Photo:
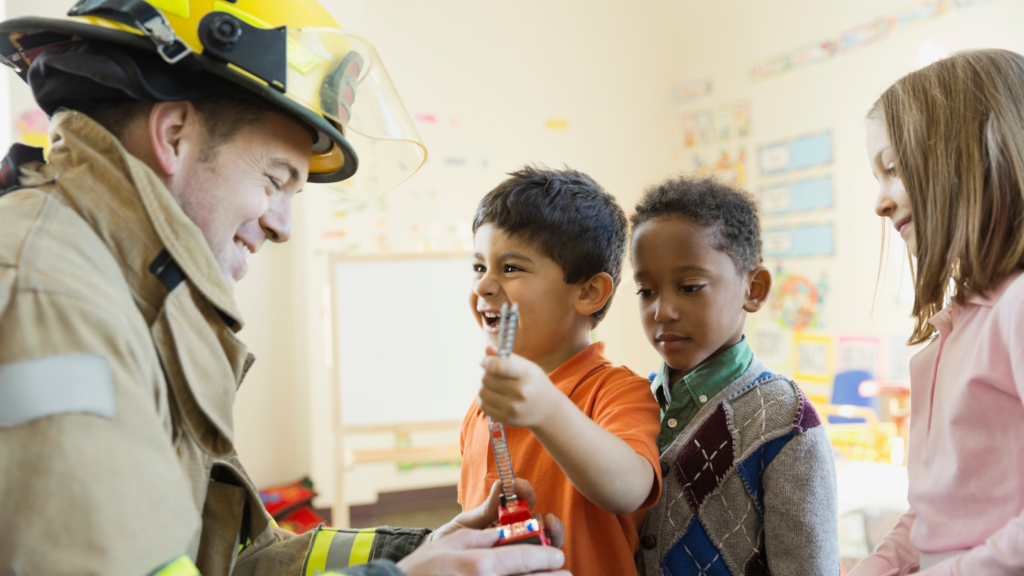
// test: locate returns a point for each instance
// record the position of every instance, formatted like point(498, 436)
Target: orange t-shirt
point(597, 541)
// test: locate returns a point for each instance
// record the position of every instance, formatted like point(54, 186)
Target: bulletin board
point(779, 110)
point(406, 347)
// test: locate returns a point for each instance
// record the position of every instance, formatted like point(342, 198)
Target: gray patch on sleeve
point(65, 384)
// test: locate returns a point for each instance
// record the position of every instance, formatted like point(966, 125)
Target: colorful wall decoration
point(917, 13)
point(813, 358)
point(724, 123)
point(728, 166)
point(771, 343)
point(864, 34)
point(796, 302)
point(33, 128)
point(898, 355)
point(692, 89)
point(869, 32)
point(556, 124)
point(860, 353)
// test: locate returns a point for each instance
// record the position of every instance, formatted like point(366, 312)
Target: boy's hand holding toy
point(517, 392)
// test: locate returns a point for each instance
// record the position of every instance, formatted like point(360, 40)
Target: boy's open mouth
point(491, 320)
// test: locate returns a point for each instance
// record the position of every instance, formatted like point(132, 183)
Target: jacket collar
point(131, 210)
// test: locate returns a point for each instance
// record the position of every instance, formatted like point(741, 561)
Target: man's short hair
point(730, 211)
point(222, 117)
point(567, 216)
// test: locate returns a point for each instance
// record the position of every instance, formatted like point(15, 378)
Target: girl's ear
point(594, 293)
point(759, 286)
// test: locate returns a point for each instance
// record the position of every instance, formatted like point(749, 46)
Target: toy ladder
point(499, 445)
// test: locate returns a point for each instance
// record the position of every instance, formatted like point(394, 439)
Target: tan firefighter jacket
point(119, 366)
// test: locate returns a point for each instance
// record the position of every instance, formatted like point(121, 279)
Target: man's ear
point(759, 287)
point(174, 128)
point(594, 293)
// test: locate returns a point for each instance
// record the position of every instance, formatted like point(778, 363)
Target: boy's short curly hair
point(730, 211)
point(567, 216)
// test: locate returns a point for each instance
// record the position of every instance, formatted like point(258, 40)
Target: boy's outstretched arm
point(602, 466)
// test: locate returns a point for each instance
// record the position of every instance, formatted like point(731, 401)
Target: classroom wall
point(623, 85)
point(809, 67)
point(493, 87)
point(614, 89)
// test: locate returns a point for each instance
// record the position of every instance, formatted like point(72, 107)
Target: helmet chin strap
point(141, 15)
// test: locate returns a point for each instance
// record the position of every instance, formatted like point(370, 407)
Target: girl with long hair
point(946, 144)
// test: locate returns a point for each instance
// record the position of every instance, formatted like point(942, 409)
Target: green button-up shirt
point(681, 401)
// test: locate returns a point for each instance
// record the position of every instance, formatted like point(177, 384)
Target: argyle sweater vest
point(749, 488)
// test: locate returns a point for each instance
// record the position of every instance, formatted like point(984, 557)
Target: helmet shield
point(340, 75)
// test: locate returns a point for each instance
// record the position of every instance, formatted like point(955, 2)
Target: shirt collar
point(567, 376)
point(989, 299)
point(943, 319)
point(709, 378)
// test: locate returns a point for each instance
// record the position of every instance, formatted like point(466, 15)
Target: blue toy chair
point(846, 390)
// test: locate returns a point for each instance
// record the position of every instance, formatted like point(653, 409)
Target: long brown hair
point(957, 131)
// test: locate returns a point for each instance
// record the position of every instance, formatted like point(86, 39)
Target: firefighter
point(180, 131)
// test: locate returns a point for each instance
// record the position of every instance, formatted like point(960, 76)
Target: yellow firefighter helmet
point(289, 53)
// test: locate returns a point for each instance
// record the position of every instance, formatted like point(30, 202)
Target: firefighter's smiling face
point(237, 191)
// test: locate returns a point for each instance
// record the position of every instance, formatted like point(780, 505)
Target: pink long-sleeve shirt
point(966, 459)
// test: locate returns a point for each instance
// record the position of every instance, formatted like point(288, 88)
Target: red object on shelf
point(291, 505)
point(300, 519)
point(871, 388)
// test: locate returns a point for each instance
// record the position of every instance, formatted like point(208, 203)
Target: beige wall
point(502, 70)
point(609, 68)
point(724, 39)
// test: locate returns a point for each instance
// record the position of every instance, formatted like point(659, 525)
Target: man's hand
point(487, 513)
point(517, 392)
point(470, 553)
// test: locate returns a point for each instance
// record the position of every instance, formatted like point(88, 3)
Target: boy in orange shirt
point(581, 431)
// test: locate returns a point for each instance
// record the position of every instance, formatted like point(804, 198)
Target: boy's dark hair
point(567, 216)
point(730, 211)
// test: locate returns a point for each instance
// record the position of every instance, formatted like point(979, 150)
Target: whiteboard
point(406, 344)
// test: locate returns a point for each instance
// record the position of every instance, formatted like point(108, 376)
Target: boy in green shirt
point(749, 481)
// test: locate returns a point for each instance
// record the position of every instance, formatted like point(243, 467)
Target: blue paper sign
point(805, 240)
point(798, 153)
point(799, 196)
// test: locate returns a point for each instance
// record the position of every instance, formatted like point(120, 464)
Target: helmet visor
point(340, 75)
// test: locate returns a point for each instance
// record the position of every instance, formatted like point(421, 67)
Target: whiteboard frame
point(340, 508)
